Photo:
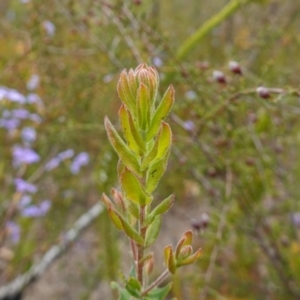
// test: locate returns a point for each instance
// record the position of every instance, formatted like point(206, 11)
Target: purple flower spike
point(52, 164)
point(24, 201)
point(24, 156)
point(34, 98)
point(33, 82)
point(28, 134)
point(65, 154)
point(9, 124)
point(11, 95)
point(36, 211)
point(49, 27)
point(80, 160)
point(189, 125)
point(13, 231)
point(20, 113)
point(24, 187)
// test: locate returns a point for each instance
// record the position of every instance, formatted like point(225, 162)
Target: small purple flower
point(13, 231)
point(28, 134)
point(11, 95)
point(20, 113)
point(189, 125)
point(23, 155)
point(33, 82)
point(24, 201)
point(33, 98)
point(24, 187)
point(52, 164)
point(36, 211)
point(295, 217)
point(35, 118)
point(9, 124)
point(157, 61)
point(49, 27)
point(65, 154)
point(80, 160)
point(191, 95)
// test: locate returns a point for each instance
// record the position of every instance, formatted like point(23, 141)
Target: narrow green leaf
point(159, 293)
point(155, 172)
point(143, 106)
point(106, 200)
point(161, 208)
point(132, 136)
point(152, 231)
point(124, 153)
point(120, 169)
point(161, 112)
point(115, 218)
point(133, 188)
point(133, 209)
point(161, 145)
point(123, 294)
point(130, 231)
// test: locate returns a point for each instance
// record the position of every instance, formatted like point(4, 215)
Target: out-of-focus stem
point(140, 254)
point(156, 282)
point(209, 25)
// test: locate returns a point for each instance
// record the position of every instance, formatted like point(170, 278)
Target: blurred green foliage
point(239, 150)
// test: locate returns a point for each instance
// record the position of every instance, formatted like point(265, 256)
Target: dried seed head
point(219, 77)
point(263, 92)
point(235, 67)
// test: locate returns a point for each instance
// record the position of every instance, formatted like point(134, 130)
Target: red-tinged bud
point(235, 68)
point(185, 252)
point(119, 201)
point(204, 220)
point(149, 263)
point(263, 92)
point(196, 224)
point(219, 77)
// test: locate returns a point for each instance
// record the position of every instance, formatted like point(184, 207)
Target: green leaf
point(130, 231)
point(159, 293)
point(124, 153)
point(155, 172)
point(161, 208)
point(143, 106)
point(161, 112)
point(133, 209)
point(115, 218)
point(152, 231)
point(132, 136)
point(123, 294)
point(133, 286)
point(120, 169)
point(133, 188)
point(190, 259)
point(161, 146)
point(169, 259)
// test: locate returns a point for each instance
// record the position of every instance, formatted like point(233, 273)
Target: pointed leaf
point(115, 218)
point(132, 136)
point(161, 208)
point(189, 237)
point(159, 293)
point(121, 148)
point(155, 172)
point(120, 168)
point(143, 106)
point(106, 200)
point(133, 287)
point(133, 188)
point(130, 231)
point(123, 294)
point(153, 231)
point(161, 146)
point(161, 112)
point(133, 209)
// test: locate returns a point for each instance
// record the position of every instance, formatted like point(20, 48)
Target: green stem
point(191, 42)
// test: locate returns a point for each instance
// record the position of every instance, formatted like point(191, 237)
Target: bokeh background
point(234, 165)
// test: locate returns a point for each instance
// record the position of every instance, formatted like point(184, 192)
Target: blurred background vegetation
point(234, 165)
